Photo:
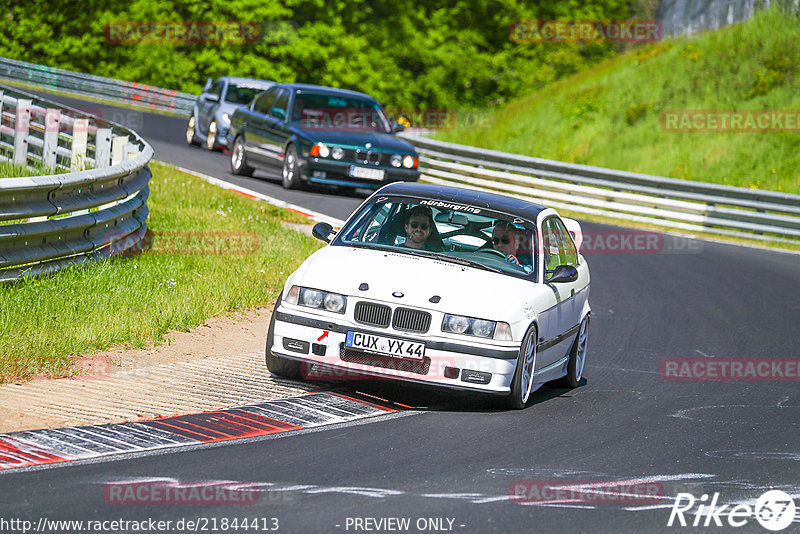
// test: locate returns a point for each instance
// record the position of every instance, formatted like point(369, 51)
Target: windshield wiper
point(464, 261)
point(426, 254)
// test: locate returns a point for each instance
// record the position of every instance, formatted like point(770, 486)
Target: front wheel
point(211, 140)
point(522, 385)
point(191, 134)
point(239, 164)
point(577, 355)
point(291, 174)
point(277, 365)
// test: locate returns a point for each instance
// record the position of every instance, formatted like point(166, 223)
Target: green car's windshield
point(335, 112)
point(466, 235)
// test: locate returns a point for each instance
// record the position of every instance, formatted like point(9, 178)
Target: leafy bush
point(407, 53)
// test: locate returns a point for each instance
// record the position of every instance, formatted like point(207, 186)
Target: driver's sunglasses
point(503, 240)
point(415, 225)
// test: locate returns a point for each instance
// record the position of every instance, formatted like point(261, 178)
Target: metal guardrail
point(97, 86)
point(50, 221)
point(659, 201)
point(664, 202)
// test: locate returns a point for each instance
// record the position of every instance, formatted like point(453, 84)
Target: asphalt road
point(456, 457)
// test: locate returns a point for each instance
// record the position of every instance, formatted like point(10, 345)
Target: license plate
point(387, 346)
point(366, 172)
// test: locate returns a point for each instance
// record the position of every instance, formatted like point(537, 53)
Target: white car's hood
point(462, 290)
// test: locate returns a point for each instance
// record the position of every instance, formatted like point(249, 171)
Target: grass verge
point(611, 115)
point(46, 322)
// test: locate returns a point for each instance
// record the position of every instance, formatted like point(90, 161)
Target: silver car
point(211, 116)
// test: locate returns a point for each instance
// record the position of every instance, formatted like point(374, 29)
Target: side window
point(369, 228)
point(558, 246)
point(216, 89)
point(278, 108)
point(264, 101)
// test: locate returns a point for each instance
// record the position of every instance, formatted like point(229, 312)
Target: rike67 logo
point(774, 510)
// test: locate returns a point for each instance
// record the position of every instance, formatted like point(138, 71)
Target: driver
point(419, 228)
point(504, 239)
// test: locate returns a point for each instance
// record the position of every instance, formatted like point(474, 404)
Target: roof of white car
point(469, 197)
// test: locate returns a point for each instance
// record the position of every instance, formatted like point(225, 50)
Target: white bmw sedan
point(440, 286)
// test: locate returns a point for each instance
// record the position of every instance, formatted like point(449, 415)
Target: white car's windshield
point(462, 234)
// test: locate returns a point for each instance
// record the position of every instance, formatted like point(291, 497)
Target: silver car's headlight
point(314, 298)
point(226, 118)
point(470, 326)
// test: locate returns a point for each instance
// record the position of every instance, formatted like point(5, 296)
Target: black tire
point(211, 138)
point(239, 164)
point(521, 385)
point(291, 169)
point(277, 365)
point(191, 131)
point(577, 356)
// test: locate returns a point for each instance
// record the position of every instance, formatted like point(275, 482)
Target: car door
point(561, 319)
point(257, 126)
point(277, 134)
point(209, 100)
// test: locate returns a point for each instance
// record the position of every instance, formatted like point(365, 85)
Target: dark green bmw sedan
point(320, 135)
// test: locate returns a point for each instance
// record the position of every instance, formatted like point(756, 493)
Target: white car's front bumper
point(319, 341)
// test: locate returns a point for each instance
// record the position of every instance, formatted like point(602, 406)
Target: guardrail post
point(131, 151)
point(80, 140)
point(118, 149)
point(52, 120)
point(102, 151)
point(21, 127)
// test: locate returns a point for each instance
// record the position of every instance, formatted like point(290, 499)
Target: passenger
point(504, 239)
point(420, 229)
point(514, 243)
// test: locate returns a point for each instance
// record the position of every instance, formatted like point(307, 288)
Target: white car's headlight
point(482, 328)
point(458, 324)
point(226, 118)
point(314, 298)
point(311, 298)
point(333, 302)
